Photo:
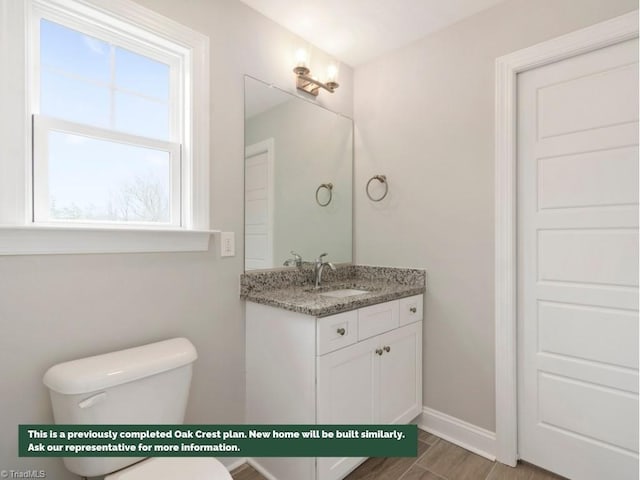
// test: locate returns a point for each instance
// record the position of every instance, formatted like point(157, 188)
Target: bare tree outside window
point(142, 199)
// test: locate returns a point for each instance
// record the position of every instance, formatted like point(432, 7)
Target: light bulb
point(302, 57)
point(332, 73)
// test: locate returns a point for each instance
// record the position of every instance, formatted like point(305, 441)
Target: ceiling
point(357, 31)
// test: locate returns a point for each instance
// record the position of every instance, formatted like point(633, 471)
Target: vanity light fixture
point(309, 84)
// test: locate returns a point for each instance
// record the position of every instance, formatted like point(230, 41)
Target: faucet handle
point(296, 260)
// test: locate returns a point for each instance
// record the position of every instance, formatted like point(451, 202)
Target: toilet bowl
point(172, 468)
point(141, 385)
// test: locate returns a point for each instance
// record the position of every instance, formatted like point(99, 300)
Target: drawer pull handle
point(379, 351)
point(387, 348)
point(413, 309)
point(341, 331)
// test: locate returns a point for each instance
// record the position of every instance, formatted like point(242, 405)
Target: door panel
point(603, 335)
point(258, 204)
point(562, 107)
point(603, 178)
point(400, 379)
point(606, 256)
point(578, 265)
point(577, 408)
point(347, 381)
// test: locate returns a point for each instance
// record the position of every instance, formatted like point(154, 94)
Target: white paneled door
point(578, 265)
point(259, 205)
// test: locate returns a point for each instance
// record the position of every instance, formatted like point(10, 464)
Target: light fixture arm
point(310, 85)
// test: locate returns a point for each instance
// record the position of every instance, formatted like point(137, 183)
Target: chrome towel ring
point(329, 187)
point(382, 179)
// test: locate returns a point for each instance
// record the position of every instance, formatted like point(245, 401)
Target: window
point(116, 119)
point(107, 129)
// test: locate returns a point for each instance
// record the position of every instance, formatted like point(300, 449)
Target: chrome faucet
point(296, 260)
point(319, 268)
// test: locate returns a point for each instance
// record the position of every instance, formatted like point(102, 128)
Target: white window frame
point(43, 125)
point(118, 21)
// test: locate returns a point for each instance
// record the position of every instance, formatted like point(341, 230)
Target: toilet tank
point(141, 385)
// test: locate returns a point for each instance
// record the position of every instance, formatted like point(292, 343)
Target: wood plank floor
point(437, 460)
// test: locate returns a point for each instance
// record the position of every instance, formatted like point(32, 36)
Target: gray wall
point(312, 146)
point(424, 117)
point(61, 307)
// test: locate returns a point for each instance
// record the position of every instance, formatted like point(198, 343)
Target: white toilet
point(142, 385)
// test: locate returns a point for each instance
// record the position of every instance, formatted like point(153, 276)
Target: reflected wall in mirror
point(298, 157)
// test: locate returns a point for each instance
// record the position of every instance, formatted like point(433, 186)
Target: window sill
point(55, 240)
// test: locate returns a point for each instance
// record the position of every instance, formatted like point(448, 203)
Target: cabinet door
point(400, 375)
point(346, 386)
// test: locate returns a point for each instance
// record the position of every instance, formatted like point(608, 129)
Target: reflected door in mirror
point(258, 200)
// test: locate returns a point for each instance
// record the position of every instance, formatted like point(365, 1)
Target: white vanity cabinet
point(362, 366)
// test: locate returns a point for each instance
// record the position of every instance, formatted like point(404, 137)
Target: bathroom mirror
point(298, 179)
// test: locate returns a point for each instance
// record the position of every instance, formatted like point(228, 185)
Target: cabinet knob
point(413, 309)
point(379, 351)
point(341, 331)
point(387, 348)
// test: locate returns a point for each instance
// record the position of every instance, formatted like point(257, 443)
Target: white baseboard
point(237, 462)
point(464, 434)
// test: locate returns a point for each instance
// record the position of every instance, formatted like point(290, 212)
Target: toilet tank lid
point(103, 371)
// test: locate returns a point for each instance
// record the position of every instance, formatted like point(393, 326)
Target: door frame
point(609, 32)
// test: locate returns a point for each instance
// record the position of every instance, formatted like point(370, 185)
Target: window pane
point(140, 116)
point(98, 180)
point(73, 52)
point(74, 100)
point(142, 75)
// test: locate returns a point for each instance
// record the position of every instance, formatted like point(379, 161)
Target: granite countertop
point(292, 290)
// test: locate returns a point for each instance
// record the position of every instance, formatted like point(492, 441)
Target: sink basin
point(342, 293)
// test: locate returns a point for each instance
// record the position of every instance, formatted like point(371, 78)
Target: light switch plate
point(227, 244)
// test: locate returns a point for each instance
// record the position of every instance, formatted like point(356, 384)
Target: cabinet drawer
point(410, 309)
point(377, 319)
point(336, 331)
